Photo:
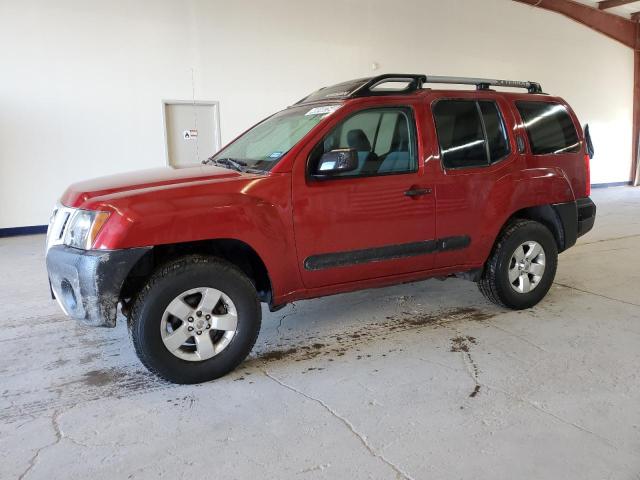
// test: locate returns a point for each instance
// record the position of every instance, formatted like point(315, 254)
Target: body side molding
point(388, 252)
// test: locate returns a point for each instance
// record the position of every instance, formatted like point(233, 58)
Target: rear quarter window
point(549, 128)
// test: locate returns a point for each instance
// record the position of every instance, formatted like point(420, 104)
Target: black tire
point(170, 281)
point(494, 283)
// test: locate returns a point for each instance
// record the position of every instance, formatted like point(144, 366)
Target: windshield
point(262, 147)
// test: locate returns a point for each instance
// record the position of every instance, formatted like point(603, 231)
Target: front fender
point(257, 213)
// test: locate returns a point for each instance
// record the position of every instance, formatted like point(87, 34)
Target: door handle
point(417, 192)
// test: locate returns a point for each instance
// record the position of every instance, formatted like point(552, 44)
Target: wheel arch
point(547, 216)
point(237, 252)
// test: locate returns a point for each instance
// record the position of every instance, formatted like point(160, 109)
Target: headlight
point(52, 219)
point(84, 227)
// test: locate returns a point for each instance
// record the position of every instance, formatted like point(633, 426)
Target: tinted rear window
point(461, 126)
point(549, 128)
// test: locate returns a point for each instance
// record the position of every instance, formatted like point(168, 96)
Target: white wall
point(82, 80)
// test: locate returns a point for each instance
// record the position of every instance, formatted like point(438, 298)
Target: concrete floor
point(422, 381)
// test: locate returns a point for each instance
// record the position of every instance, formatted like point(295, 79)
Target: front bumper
point(87, 283)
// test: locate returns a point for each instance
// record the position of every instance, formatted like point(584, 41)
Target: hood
point(159, 178)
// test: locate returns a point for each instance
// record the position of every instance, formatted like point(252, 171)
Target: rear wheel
point(521, 267)
point(195, 320)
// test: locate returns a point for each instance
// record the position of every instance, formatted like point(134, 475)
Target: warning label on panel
point(190, 134)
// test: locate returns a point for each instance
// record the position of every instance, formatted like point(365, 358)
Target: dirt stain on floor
point(99, 378)
point(109, 382)
point(475, 392)
point(339, 344)
point(463, 344)
point(122, 382)
point(277, 354)
point(88, 386)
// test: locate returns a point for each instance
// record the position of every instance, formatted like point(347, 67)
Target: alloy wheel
point(526, 267)
point(199, 324)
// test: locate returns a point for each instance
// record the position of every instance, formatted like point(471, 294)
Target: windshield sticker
point(324, 110)
point(276, 154)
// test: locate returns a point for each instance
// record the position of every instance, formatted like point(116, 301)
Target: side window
point(549, 128)
point(384, 139)
point(367, 122)
point(460, 134)
point(471, 133)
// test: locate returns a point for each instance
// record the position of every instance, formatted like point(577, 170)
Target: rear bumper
point(577, 218)
point(87, 284)
point(586, 215)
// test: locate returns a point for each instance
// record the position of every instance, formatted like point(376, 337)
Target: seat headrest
point(357, 139)
point(401, 137)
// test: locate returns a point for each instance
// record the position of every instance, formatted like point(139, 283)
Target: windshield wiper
point(237, 165)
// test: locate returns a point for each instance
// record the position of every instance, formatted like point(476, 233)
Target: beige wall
point(82, 81)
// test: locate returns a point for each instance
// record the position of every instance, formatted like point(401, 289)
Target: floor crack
point(474, 371)
point(515, 335)
point(608, 240)
point(470, 366)
point(596, 294)
point(362, 438)
point(293, 311)
point(59, 436)
point(462, 344)
point(553, 415)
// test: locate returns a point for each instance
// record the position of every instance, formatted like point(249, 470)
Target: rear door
point(474, 150)
point(376, 221)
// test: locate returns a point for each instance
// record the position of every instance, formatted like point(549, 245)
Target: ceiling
point(623, 10)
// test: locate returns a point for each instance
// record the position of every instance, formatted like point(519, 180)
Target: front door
point(375, 221)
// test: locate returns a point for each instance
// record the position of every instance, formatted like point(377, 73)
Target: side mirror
point(337, 161)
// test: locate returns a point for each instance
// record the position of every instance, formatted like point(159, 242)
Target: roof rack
point(413, 82)
point(369, 87)
point(485, 83)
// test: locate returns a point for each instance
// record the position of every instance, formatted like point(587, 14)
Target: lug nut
point(208, 317)
point(191, 319)
point(199, 332)
point(199, 313)
point(208, 326)
point(190, 329)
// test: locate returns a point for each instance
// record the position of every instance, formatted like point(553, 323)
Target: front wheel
point(521, 267)
point(195, 320)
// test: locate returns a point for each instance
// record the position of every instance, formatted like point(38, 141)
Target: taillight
point(587, 174)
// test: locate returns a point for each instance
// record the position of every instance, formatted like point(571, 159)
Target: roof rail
point(365, 87)
point(373, 86)
point(485, 83)
point(414, 82)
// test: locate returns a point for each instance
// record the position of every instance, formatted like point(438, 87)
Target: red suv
point(368, 183)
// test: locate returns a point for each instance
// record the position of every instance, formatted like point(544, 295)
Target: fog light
point(68, 295)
